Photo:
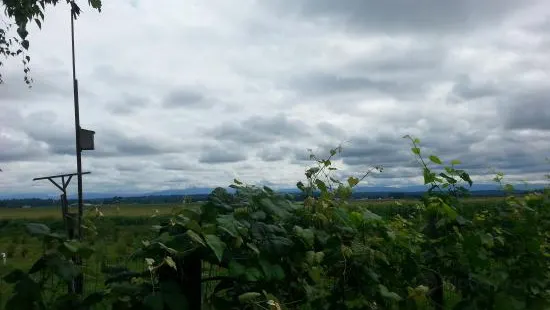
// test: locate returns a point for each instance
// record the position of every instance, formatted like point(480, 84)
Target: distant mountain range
point(206, 190)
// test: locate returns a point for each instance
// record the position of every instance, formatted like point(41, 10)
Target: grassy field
point(148, 210)
point(131, 210)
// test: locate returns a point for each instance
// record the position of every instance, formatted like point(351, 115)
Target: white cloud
point(194, 93)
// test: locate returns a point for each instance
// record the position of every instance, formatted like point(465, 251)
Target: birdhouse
point(86, 139)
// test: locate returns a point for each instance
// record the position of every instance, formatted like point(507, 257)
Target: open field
point(147, 210)
point(131, 210)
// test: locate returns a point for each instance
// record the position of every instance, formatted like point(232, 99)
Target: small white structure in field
point(4, 257)
point(26, 207)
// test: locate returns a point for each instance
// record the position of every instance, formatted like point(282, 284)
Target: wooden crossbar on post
point(70, 220)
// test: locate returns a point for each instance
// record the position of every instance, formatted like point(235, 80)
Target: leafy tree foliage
point(20, 13)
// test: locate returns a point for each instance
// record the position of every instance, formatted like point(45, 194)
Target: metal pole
point(77, 131)
point(79, 281)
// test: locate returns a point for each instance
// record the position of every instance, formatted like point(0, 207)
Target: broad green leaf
point(71, 246)
point(175, 300)
point(466, 177)
point(193, 225)
point(387, 294)
point(321, 185)
point(39, 265)
point(270, 208)
point(96, 4)
point(508, 188)
point(315, 274)
point(306, 235)
point(253, 247)
point(429, 176)
point(249, 297)
point(487, 239)
point(167, 249)
point(277, 272)
point(170, 262)
point(195, 237)
point(65, 269)
point(370, 216)
point(92, 299)
point(237, 182)
point(217, 246)
point(253, 274)
point(435, 160)
point(271, 271)
point(235, 269)
point(415, 150)
point(154, 301)
point(38, 229)
point(352, 181)
point(15, 276)
point(455, 162)
point(85, 252)
point(226, 222)
point(449, 179)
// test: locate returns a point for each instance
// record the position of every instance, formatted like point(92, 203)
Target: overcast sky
point(196, 93)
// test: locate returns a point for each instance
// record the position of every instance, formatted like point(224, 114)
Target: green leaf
point(321, 185)
point(387, 294)
point(415, 150)
point(92, 299)
point(39, 265)
point(253, 274)
point(216, 245)
point(508, 188)
point(154, 302)
point(63, 268)
point(194, 226)
point(249, 297)
point(274, 272)
point(170, 262)
point(449, 179)
point(236, 269)
point(272, 209)
point(85, 252)
point(38, 229)
point(466, 177)
point(306, 235)
point(226, 222)
point(167, 249)
point(370, 216)
point(253, 247)
point(175, 300)
point(195, 237)
point(435, 160)
point(71, 246)
point(315, 274)
point(96, 4)
point(455, 162)
point(15, 276)
point(237, 182)
point(429, 176)
point(352, 181)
